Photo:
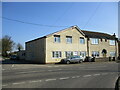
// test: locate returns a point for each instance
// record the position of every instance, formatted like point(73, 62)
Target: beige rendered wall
point(35, 51)
point(63, 46)
point(99, 47)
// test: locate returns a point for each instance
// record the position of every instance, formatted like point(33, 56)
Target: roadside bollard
point(109, 58)
point(113, 58)
point(93, 59)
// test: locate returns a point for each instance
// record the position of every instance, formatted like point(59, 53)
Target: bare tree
point(19, 47)
point(7, 45)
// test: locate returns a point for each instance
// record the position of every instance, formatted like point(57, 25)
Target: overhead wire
point(20, 21)
point(92, 15)
point(63, 14)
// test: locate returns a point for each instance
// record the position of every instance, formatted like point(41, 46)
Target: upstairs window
point(82, 40)
point(94, 40)
point(68, 39)
point(112, 42)
point(57, 38)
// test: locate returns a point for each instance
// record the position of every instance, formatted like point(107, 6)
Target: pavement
point(83, 75)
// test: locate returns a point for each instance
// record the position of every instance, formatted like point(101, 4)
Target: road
point(84, 75)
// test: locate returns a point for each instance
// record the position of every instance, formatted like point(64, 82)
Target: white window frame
point(56, 54)
point(112, 42)
point(94, 41)
point(95, 53)
point(75, 53)
point(68, 53)
point(112, 53)
point(83, 53)
point(57, 38)
point(69, 39)
point(82, 40)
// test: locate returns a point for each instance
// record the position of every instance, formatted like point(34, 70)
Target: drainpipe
point(88, 46)
point(115, 46)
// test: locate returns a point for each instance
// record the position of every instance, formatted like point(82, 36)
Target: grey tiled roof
point(91, 34)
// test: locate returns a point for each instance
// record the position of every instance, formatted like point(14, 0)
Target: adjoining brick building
point(71, 41)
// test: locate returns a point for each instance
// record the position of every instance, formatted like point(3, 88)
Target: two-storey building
point(71, 41)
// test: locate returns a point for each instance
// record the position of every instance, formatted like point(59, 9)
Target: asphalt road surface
point(84, 75)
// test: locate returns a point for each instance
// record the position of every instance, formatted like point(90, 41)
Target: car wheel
point(67, 62)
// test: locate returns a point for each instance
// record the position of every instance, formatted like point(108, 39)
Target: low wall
point(106, 59)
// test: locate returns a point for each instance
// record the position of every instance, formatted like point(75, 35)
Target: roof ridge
point(96, 32)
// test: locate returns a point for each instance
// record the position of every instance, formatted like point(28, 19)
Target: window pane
point(68, 53)
point(56, 54)
point(82, 40)
point(112, 42)
point(57, 38)
point(69, 39)
point(83, 53)
point(75, 53)
point(95, 53)
point(112, 54)
point(94, 40)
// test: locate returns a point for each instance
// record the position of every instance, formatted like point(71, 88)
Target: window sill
point(56, 57)
point(82, 43)
point(68, 43)
point(112, 45)
point(94, 44)
point(56, 42)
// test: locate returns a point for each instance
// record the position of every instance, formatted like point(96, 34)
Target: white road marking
point(22, 72)
point(13, 65)
point(35, 81)
point(4, 85)
point(73, 77)
point(87, 75)
point(77, 76)
point(64, 78)
point(96, 74)
point(50, 79)
point(18, 83)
